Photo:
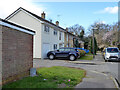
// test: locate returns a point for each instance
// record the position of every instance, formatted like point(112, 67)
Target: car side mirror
point(57, 50)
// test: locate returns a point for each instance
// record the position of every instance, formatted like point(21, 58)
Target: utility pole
point(93, 43)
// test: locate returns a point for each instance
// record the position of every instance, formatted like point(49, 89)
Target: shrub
point(81, 52)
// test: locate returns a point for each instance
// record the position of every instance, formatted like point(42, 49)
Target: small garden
point(51, 77)
point(85, 56)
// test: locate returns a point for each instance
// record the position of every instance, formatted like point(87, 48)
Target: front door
point(46, 49)
point(66, 52)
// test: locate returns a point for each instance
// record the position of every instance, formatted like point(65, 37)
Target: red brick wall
point(17, 54)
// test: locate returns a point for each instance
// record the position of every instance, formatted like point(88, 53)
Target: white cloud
point(110, 10)
point(101, 22)
point(9, 6)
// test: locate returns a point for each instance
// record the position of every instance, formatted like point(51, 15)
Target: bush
point(81, 52)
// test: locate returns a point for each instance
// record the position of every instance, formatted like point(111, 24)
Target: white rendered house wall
point(24, 19)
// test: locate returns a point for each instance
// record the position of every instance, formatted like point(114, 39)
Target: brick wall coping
point(16, 27)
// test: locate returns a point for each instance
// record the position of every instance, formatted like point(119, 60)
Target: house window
point(60, 35)
point(55, 46)
point(55, 32)
point(46, 29)
point(60, 45)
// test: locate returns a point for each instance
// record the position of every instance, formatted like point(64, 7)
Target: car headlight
point(107, 55)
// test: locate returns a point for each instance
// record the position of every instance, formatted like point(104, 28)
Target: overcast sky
point(68, 12)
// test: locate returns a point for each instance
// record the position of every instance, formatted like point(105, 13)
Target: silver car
point(112, 53)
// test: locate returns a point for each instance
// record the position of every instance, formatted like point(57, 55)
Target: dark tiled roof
point(38, 17)
point(16, 25)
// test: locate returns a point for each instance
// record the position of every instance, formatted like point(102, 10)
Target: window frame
point(55, 46)
point(55, 32)
point(60, 35)
point(46, 29)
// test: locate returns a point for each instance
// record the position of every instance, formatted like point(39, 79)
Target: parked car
point(66, 52)
point(112, 53)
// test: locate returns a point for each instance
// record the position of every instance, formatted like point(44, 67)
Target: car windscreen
point(112, 50)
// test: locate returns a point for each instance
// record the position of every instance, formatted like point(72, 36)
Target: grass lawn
point(51, 77)
point(89, 57)
point(89, 54)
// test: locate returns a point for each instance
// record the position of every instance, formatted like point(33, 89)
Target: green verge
point(89, 54)
point(51, 77)
point(89, 57)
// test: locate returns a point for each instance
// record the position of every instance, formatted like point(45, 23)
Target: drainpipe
point(42, 27)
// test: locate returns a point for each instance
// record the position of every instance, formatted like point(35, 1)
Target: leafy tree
point(81, 36)
point(86, 41)
point(76, 44)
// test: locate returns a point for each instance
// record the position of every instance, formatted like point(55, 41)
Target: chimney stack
point(57, 23)
point(66, 29)
point(43, 15)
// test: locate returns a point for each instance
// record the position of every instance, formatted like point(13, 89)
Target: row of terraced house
point(48, 36)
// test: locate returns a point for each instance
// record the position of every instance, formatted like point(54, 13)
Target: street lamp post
point(93, 43)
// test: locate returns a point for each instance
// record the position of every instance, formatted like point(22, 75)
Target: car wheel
point(72, 57)
point(51, 56)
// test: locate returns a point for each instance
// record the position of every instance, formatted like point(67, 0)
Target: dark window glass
point(60, 34)
point(55, 32)
point(72, 49)
point(55, 46)
point(62, 49)
point(112, 50)
point(67, 49)
point(46, 29)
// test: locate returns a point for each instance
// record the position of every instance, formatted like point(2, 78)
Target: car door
point(66, 52)
point(59, 53)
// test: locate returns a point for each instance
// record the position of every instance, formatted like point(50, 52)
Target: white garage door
point(46, 49)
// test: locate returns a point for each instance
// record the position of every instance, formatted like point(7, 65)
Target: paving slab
point(96, 80)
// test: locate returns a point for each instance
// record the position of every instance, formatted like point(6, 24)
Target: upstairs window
point(46, 29)
point(55, 32)
point(60, 35)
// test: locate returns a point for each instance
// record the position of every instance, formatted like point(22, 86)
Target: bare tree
point(105, 34)
point(76, 29)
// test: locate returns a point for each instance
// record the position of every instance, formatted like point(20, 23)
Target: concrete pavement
point(97, 76)
point(96, 80)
